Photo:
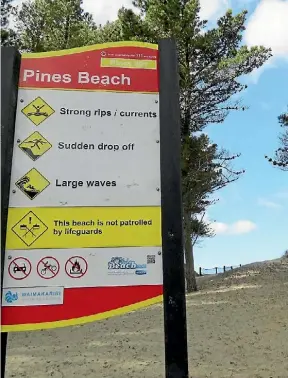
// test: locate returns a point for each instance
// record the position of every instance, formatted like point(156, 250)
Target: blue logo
point(140, 272)
point(11, 297)
point(124, 263)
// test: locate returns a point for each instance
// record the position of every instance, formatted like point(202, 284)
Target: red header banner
point(119, 67)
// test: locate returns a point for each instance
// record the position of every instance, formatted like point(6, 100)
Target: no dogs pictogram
point(19, 268)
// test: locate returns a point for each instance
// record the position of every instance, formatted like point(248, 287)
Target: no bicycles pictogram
point(48, 267)
point(19, 268)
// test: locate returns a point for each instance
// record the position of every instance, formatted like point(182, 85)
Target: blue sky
point(260, 197)
point(251, 215)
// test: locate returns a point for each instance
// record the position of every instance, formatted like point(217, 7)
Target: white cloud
point(211, 9)
point(105, 10)
point(102, 10)
point(242, 227)
point(268, 26)
point(269, 204)
point(219, 227)
point(237, 228)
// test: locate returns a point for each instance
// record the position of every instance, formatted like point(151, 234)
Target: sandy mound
point(237, 327)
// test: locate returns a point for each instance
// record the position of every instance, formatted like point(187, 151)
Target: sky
point(251, 216)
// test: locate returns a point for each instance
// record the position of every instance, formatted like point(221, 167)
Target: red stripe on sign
point(82, 71)
point(79, 302)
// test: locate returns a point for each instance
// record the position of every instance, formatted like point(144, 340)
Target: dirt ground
point(237, 327)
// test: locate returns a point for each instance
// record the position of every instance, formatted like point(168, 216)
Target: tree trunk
point(66, 33)
point(189, 271)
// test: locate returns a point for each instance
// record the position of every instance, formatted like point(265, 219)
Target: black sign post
point(10, 68)
point(176, 355)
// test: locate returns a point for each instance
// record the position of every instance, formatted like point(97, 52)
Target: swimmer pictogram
point(38, 111)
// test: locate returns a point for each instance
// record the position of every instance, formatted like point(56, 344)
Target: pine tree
point(280, 159)
point(210, 63)
point(45, 25)
point(8, 36)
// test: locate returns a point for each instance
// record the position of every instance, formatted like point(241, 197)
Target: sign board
point(84, 237)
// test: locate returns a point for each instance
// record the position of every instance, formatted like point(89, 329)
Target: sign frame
point(175, 327)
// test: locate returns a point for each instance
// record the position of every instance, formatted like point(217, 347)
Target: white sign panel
point(97, 149)
point(32, 296)
point(85, 267)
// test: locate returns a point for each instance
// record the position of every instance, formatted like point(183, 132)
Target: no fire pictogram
point(19, 268)
point(48, 267)
point(76, 267)
point(35, 146)
point(29, 228)
point(32, 183)
point(38, 111)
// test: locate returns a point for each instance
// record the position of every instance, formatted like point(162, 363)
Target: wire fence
point(217, 269)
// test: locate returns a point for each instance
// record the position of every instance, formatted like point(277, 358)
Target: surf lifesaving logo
point(124, 265)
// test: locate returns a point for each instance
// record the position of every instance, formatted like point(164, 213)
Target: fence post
point(216, 270)
point(200, 271)
point(224, 268)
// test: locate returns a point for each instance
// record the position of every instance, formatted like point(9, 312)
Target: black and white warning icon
point(29, 228)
